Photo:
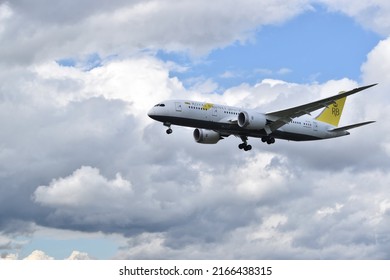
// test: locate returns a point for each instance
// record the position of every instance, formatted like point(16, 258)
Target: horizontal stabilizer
point(350, 126)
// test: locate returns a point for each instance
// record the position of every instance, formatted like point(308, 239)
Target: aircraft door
point(178, 106)
point(315, 126)
point(215, 112)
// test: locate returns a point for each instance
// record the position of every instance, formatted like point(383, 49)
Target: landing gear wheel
point(169, 130)
point(247, 148)
point(244, 145)
point(271, 141)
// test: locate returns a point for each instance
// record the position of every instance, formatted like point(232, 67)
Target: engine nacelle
point(251, 120)
point(205, 136)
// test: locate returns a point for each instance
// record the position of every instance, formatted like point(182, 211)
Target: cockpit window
point(159, 105)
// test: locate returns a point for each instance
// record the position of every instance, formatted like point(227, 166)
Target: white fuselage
point(223, 119)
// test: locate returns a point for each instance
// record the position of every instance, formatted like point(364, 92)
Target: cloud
point(86, 187)
point(76, 255)
point(79, 153)
point(284, 71)
point(371, 14)
point(4, 242)
point(103, 166)
point(6, 256)
point(55, 31)
point(273, 231)
point(268, 72)
point(38, 255)
point(377, 65)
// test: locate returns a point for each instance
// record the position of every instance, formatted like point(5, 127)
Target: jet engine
point(251, 120)
point(205, 136)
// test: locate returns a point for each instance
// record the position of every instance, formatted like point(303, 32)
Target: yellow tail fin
point(332, 113)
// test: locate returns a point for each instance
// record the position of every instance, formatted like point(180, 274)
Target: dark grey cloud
point(64, 12)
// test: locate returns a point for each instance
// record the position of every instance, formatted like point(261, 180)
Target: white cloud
point(269, 229)
point(38, 255)
point(269, 72)
point(255, 179)
point(120, 27)
point(323, 212)
point(205, 86)
point(228, 74)
point(76, 255)
point(86, 197)
point(284, 71)
point(86, 187)
point(371, 14)
point(5, 11)
point(7, 256)
point(139, 81)
point(384, 206)
point(376, 68)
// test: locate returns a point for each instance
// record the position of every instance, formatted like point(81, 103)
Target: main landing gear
point(244, 146)
point(169, 130)
point(268, 140)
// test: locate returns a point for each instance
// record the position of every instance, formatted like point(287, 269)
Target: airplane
point(213, 122)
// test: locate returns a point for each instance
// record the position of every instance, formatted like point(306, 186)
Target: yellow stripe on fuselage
point(207, 106)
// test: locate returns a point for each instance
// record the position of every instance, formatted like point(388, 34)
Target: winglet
point(365, 87)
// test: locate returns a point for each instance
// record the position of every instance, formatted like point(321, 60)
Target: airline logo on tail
point(332, 114)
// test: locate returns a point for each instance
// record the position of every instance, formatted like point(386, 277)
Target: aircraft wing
point(282, 117)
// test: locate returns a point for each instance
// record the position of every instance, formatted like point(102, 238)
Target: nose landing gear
point(169, 130)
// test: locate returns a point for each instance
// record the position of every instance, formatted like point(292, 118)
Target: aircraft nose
point(151, 113)
point(157, 112)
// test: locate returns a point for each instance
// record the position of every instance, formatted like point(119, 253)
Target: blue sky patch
point(314, 47)
point(86, 63)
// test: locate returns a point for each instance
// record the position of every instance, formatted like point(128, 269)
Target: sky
point(86, 174)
